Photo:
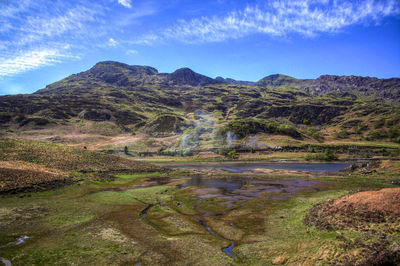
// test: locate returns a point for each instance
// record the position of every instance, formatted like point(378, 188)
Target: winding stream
point(5, 262)
point(232, 193)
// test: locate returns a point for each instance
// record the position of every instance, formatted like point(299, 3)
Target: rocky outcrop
point(305, 114)
point(366, 86)
point(118, 73)
point(163, 126)
point(96, 115)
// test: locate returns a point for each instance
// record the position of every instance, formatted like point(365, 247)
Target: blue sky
point(42, 41)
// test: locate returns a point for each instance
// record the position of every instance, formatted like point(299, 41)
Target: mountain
point(123, 75)
point(140, 99)
point(373, 88)
point(361, 86)
point(186, 76)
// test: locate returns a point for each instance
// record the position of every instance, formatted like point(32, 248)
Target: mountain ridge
point(140, 99)
point(120, 74)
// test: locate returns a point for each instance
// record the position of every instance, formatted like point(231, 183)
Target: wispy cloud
point(125, 3)
point(278, 18)
point(39, 33)
point(31, 59)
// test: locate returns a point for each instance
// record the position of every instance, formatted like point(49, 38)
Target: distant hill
point(139, 98)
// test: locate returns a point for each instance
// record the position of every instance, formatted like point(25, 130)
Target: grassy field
point(117, 211)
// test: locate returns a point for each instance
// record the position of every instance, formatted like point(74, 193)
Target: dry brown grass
point(67, 158)
point(20, 165)
point(17, 176)
point(386, 201)
point(358, 211)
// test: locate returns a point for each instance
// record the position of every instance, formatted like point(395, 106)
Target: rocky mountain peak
point(117, 67)
point(186, 76)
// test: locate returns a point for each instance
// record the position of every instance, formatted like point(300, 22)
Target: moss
point(152, 195)
point(138, 176)
point(112, 197)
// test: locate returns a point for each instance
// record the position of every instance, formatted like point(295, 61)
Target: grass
point(152, 195)
point(65, 157)
point(27, 165)
point(112, 197)
point(137, 176)
point(85, 224)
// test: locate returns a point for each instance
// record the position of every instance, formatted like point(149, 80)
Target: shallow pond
point(233, 189)
point(253, 167)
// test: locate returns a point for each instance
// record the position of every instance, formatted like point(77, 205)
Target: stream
point(18, 241)
point(233, 193)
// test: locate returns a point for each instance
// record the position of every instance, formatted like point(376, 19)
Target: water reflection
point(234, 189)
point(251, 167)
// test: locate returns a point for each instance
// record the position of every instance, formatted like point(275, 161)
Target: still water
point(250, 167)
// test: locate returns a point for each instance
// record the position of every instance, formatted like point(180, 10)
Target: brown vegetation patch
point(18, 176)
point(68, 158)
point(357, 211)
point(375, 213)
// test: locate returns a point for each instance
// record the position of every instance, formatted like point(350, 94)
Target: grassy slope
point(31, 165)
point(66, 158)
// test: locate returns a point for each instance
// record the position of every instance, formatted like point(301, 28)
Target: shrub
point(379, 123)
point(392, 121)
point(185, 152)
point(359, 128)
point(377, 134)
point(168, 153)
point(327, 155)
point(314, 133)
point(393, 132)
point(228, 153)
point(341, 134)
point(231, 154)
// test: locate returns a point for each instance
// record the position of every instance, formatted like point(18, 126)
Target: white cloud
point(278, 18)
point(112, 42)
point(125, 3)
point(132, 52)
point(32, 59)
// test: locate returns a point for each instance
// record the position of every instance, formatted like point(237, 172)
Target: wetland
point(181, 217)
